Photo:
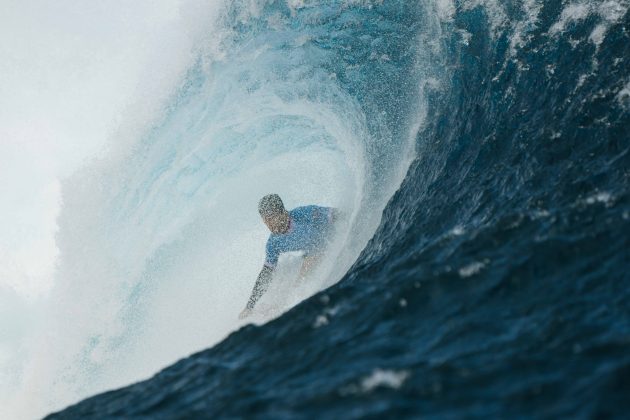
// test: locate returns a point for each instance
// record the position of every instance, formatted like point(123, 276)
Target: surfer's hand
point(245, 313)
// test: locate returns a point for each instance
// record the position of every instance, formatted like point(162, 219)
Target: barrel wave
point(480, 151)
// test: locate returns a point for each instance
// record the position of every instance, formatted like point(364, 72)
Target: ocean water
point(480, 152)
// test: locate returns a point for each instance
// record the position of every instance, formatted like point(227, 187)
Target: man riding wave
point(306, 229)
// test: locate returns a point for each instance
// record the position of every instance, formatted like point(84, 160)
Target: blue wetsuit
point(309, 228)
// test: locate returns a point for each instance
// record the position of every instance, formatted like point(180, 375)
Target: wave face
point(494, 284)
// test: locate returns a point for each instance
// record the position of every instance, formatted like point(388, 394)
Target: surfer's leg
point(309, 264)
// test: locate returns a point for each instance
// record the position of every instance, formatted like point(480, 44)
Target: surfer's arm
point(334, 214)
point(261, 286)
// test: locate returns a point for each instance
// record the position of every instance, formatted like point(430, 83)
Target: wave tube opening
point(161, 241)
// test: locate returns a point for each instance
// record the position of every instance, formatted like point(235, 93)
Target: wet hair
point(270, 205)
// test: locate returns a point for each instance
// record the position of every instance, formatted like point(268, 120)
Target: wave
point(160, 241)
point(480, 151)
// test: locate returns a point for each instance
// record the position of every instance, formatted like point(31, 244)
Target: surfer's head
point(275, 216)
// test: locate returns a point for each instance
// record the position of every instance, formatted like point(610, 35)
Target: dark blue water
point(497, 284)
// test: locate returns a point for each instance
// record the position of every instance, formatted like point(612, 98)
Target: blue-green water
point(496, 282)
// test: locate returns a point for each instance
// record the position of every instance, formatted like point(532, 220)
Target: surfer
point(304, 229)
